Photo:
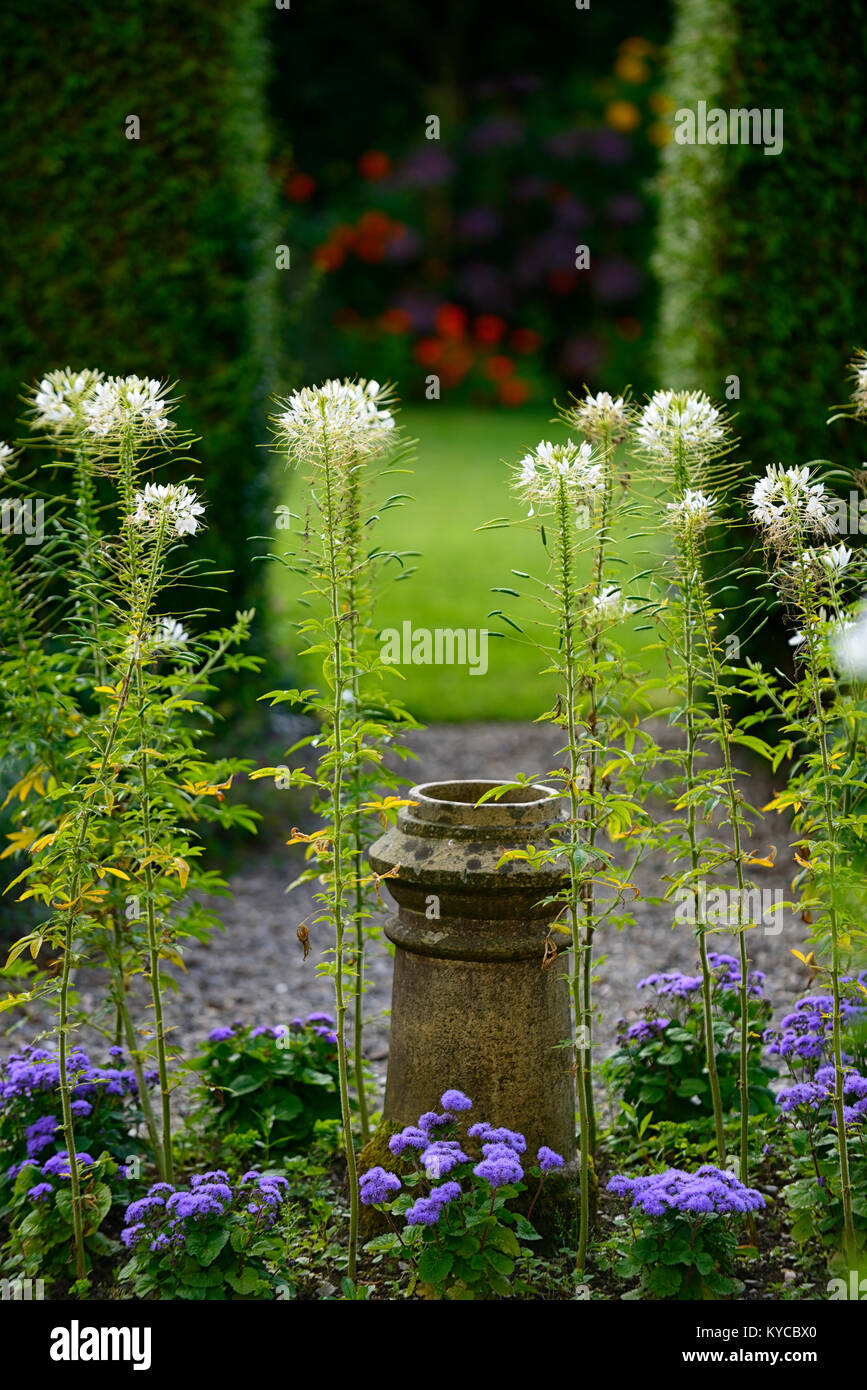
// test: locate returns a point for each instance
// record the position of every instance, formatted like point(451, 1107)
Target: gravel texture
point(254, 970)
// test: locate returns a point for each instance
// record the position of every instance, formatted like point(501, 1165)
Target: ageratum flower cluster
point(30, 1098)
point(708, 1190)
point(812, 1095)
point(500, 1164)
point(804, 1035)
point(321, 1023)
point(163, 1220)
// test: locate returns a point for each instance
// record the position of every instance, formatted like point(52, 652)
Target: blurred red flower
point(526, 340)
point(513, 392)
point(300, 187)
point(428, 351)
point(498, 368)
point(374, 164)
point(489, 328)
point(328, 256)
point(396, 321)
point(451, 321)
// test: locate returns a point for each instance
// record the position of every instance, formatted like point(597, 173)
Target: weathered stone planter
point(472, 1005)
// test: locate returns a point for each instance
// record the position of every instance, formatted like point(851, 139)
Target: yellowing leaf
point(20, 840)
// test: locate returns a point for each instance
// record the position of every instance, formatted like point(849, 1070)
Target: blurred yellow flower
point(622, 115)
point(660, 103)
point(659, 133)
point(637, 47)
point(630, 69)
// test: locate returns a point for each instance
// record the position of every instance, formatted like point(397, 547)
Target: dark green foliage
point(761, 257)
point(156, 255)
point(278, 1087)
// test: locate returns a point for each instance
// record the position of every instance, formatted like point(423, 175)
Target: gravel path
point(254, 970)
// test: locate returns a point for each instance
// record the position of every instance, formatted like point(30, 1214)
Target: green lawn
point(460, 481)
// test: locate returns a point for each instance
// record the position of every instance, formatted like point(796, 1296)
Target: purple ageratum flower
point(500, 1165)
point(445, 1193)
point(115, 1052)
point(221, 1034)
point(455, 1101)
point(378, 1185)
point(441, 1157)
point(40, 1134)
point(252, 1175)
point(140, 1210)
point(672, 982)
point(214, 1175)
point(59, 1166)
point(320, 1018)
point(409, 1138)
point(480, 1129)
point(646, 1029)
point(508, 1137)
point(41, 1192)
point(130, 1235)
point(159, 1187)
point(324, 1032)
point(727, 971)
point(424, 1212)
point(258, 1031)
point(709, 1189)
point(431, 1120)
point(548, 1159)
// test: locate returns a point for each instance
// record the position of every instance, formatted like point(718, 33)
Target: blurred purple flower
point(478, 224)
point(616, 279)
point(496, 133)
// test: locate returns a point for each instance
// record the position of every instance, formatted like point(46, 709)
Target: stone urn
point(480, 1000)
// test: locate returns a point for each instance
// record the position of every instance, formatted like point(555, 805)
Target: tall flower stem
point(153, 937)
point(827, 811)
point(688, 561)
point(592, 760)
point(724, 734)
point(579, 944)
point(338, 887)
point(353, 533)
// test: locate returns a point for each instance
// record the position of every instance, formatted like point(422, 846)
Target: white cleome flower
point(349, 419)
point(175, 503)
point(171, 633)
point(129, 402)
point(611, 604)
point(850, 646)
point(600, 416)
point(836, 559)
point(6, 452)
point(693, 512)
point(550, 466)
point(859, 373)
point(59, 399)
point(676, 421)
point(786, 503)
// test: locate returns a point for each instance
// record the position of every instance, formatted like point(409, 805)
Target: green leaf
point(205, 1245)
point(435, 1265)
point(247, 1282)
point(662, 1281)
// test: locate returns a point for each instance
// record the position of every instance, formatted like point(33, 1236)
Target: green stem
point(337, 817)
point(582, 1065)
point(688, 560)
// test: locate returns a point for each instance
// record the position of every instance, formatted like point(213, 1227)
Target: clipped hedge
point(154, 255)
point(761, 258)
